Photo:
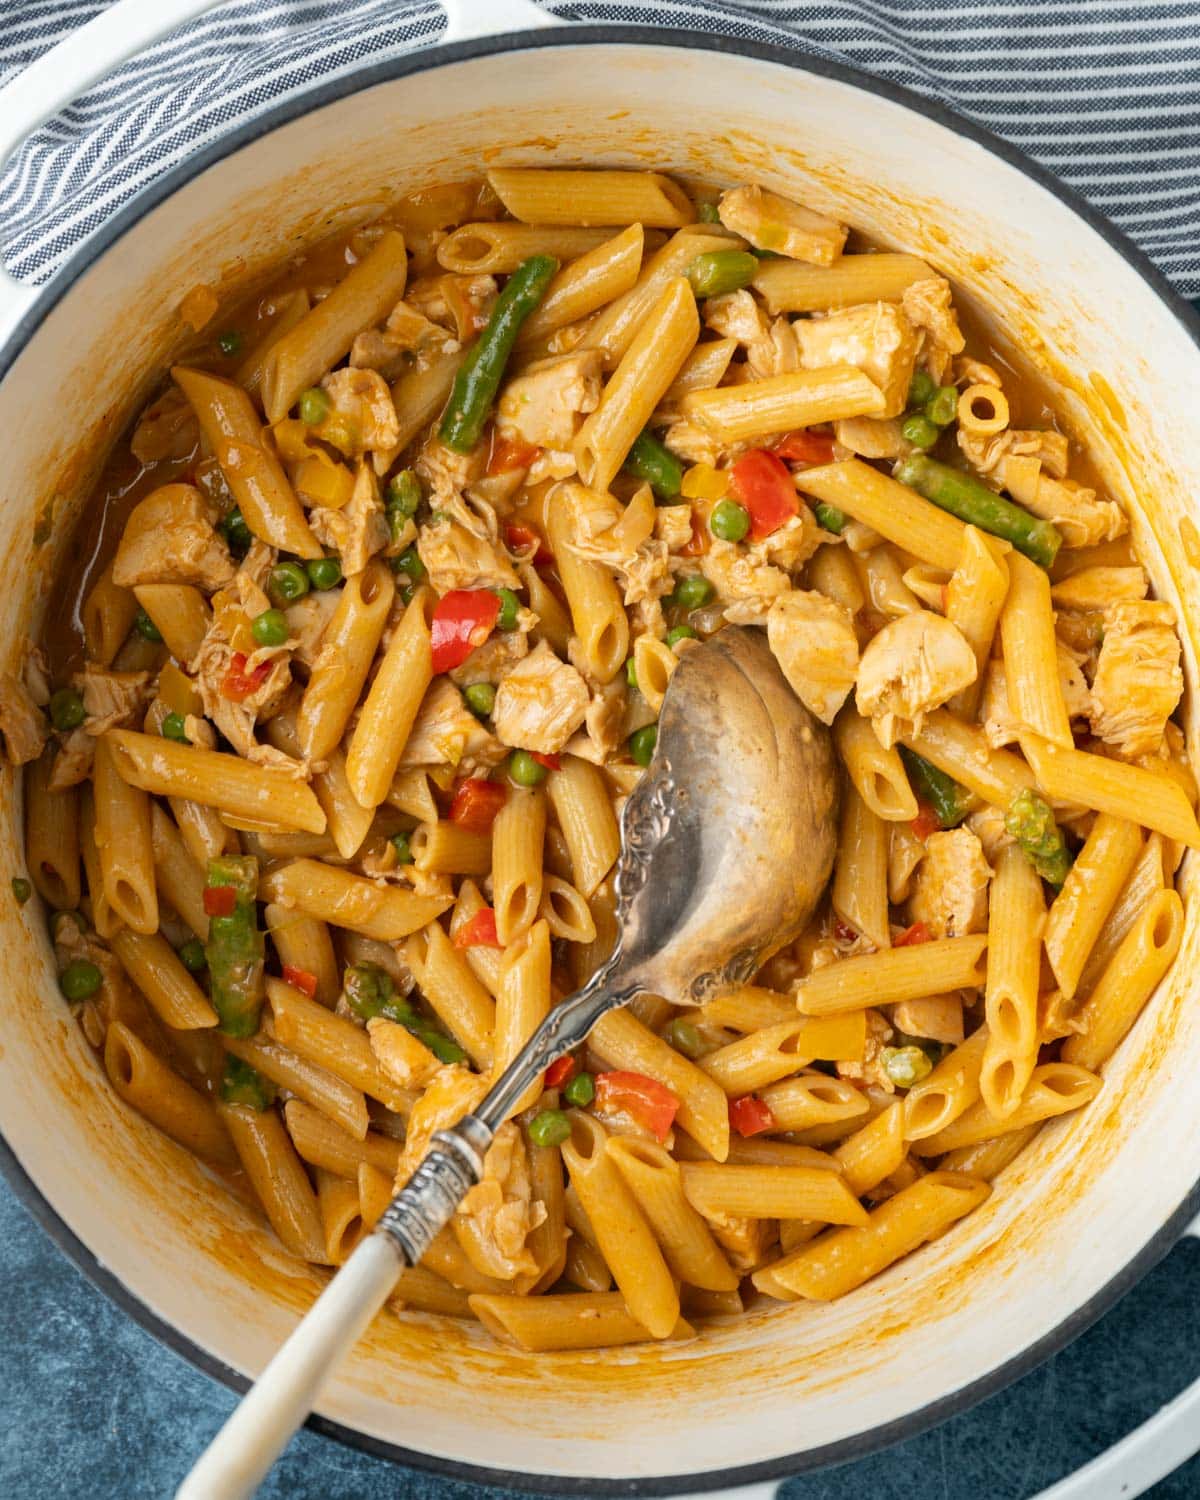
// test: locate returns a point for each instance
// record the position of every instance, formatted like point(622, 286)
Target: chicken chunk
point(494, 1221)
point(1002, 726)
point(950, 894)
point(914, 665)
point(740, 577)
point(928, 306)
point(307, 619)
point(607, 724)
point(736, 315)
point(363, 410)
point(22, 723)
point(813, 640)
point(874, 337)
point(73, 762)
point(493, 660)
point(673, 525)
point(778, 353)
point(770, 222)
point(446, 474)
point(169, 538)
point(456, 558)
point(406, 1060)
point(986, 453)
point(446, 732)
point(111, 700)
point(452, 1093)
point(938, 1017)
point(166, 429)
point(541, 703)
point(543, 404)
point(1138, 680)
point(1074, 509)
point(359, 529)
point(236, 719)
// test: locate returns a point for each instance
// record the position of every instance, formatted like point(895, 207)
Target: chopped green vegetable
point(684, 1037)
point(288, 582)
point(270, 628)
point(921, 388)
point(324, 572)
point(716, 272)
point(191, 956)
point(830, 518)
point(642, 742)
point(580, 1091)
point(692, 592)
point(919, 431)
point(631, 671)
point(80, 979)
point(370, 992)
point(242, 1084)
point(729, 521)
point(524, 770)
point(400, 843)
point(970, 500)
point(173, 729)
point(235, 945)
point(409, 563)
point(549, 1127)
point(680, 633)
point(237, 534)
point(443, 1047)
point(654, 464)
point(950, 801)
point(906, 1065)
point(314, 406)
point(1030, 821)
point(146, 628)
point(481, 698)
point(66, 710)
point(404, 493)
point(942, 406)
point(510, 609)
point(708, 213)
point(229, 342)
point(479, 375)
point(22, 889)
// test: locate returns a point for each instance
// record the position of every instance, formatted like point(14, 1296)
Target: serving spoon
point(727, 845)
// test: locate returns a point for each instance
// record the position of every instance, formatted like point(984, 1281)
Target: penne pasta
point(540, 195)
point(893, 975)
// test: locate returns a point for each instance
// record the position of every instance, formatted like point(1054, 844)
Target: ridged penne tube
point(884, 579)
point(838, 1262)
point(888, 507)
point(155, 1090)
point(321, 1143)
point(498, 246)
point(348, 647)
point(418, 397)
point(621, 1040)
point(410, 793)
point(123, 841)
point(1149, 874)
point(948, 1092)
point(363, 298)
point(341, 1216)
point(565, 912)
point(202, 828)
point(874, 1151)
point(832, 572)
point(755, 1192)
point(52, 837)
point(687, 1244)
point(391, 705)
point(547, 1241)
point(216, 779)
point(333, 1042)
point(584, 812)
point(548, 195)
point(518, 834)
point(778, 1051)
point(595, 278)
point(574, 1320)
point(484, 961)
point(927, 583)
point(346, 900)
point(303, 942)
point(107, 615)
point(779, 403)
point(613, 330)
point(859, 892)
point(338, 1100)
point(1113, 786)
point(154, 966)
point(907, 973)
point(703, 369)
point(444, 848)
point(104, 919)
point(375, 1192)
point(523, 1002)
point(963, 752)
point(180, 879)
point(1016, 917)
point(256, 478)
point(750, 1008)
point(554, 621)
point(1054, 1088)
point(1035, 697)
point(451, 988)
point(654, 665)
point(587, 957)
point(269, 1160)
point(1132, 975)
point(425, 1291)
point(585, 1267)
point(181, 614)
point(878, 775)
point(624, 1237)
point(975, 596)
point(813, 1099)
point(794, 286)
point(989, 1158)
point(289, 307)
point(647, 367)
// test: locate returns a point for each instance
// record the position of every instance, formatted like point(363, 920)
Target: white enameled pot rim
point(329, 91)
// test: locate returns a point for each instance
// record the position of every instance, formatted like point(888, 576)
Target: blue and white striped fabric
point(1106, 93)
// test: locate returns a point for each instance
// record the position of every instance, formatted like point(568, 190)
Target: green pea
point(580, 1091)
point(409, 563)
point(146, 627)
point(288, 583)
point(404, 854)
point(906, 1065)
point(66, 710)
point(481, 698)
point(236, 533)
point(510, 608)
point(324, 572)
point(191, 956)
point(729, 521)
point(684, 1037)
point(443, 1047)
point(524, 770)
point(921, 388)
point(80, 979)
point(830, 518)
point(692, 592)
point(270, 628)
point(229, 342)
point(942, 406)
point(314, 406)
point(680, 633)
point(22, 889)
point(173, 729)
point(404, 493)
point(549, 1127)
point(920, 431)
point(642, 742)
point(631, 672)
point(368, 989)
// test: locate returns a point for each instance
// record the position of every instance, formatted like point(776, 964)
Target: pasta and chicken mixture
point(386, 589)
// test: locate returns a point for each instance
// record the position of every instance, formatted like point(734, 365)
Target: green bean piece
point(481, 698)
point(685, 1038)
point(238, 536)
point(549, 1127)
point(314, 406)
point(402, 845)
point(921, 388)
point(409, 563)
point(369, 991)
point(404, 493)
point(242, 1084)
point(971, 501)
point(692, 592)
point(80, 979)
point(830, 518)
point(235, 946)
point(580, 1091)
point(510, 610)
point(716, 272)
point(66, 710)
point(443, 1047)
point(173, 728)
point(942, 406)
point(919, 431)
point(729, 521)
point(631, 671)
point(950, 801)
point(641, 744)
point(270, 628)
point(191, 956)
point(146, 628)
point(230, 343)
point(524, 770)
point(324, 572)
point(22, 889)
point(288, 582)
point(906, 1065)
point(479, 376)
point(654, 464)
point(1030, 821)
point(680, 633)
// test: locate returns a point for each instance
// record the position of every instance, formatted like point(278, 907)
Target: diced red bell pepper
point(763, 484)
point(551, 762)
point(843, 931)
point(479, 931)
point(462, 620)
point(803, 446)
point(521, 537)
point(300, 979)
point(644, 1099)
point(561, 1072)
point(219, 900)
point(750, 1116)
point(911, 936)
point(510, 453)
point(925, 822)
point(238, 684)
point(476, 803)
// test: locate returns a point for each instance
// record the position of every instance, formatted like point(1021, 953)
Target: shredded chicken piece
point(446, 732)
point(457, 559)
point(541, 703)
point(986, 453)
point(792, 544)
point(166, 429)
point(914, 665)
point(1074, 509)
point(950, 894)
point(363, 402)
point(169, 538)
point(739, 576)
point(736, 315)
point(236, 720)
point(494, 1221)
point(452, 1093)
point(446, 474)
point(987, 824)
point(502, 650)
point(359, 529)
point(308, 619)
point(543, 404)
point(770, 222)
point(1100, 588)
point(607, 724)
point(692, 444)
point(938, 1017)
point(778, 353)
point(21, 722)
point(111, 700)
point(927, 304)
point(73, 761)
point(402, 1057)
point(813, 640)
point(673, 526)
point(1001, 725)
point(871, 1070)
point(874, 337)
point(1138, 681)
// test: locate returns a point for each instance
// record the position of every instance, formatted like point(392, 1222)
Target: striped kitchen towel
point(1105, 93)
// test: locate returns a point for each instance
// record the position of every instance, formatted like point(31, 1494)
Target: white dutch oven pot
point(1080, 1216)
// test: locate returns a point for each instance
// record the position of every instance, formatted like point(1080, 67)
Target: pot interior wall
point(1072, 1211)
